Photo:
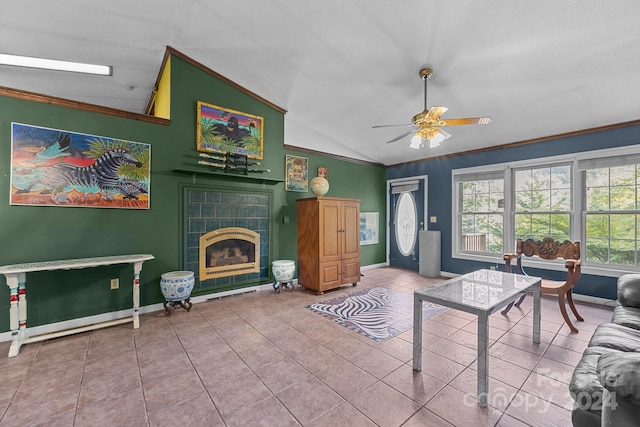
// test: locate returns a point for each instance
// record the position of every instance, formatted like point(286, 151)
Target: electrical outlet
point(433, 219)
point(115, 283)
point(285, 220)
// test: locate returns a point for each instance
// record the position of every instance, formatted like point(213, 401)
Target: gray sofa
point(605, 385)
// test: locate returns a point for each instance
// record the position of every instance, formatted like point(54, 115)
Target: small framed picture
point(297, 173)
point(368, 228)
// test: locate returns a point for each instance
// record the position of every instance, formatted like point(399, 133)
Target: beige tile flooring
point(263, 359)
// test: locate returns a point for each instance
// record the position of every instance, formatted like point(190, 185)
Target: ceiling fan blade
point(388, 126)
point(435, 113)
point(397, 138)
point(467, 121)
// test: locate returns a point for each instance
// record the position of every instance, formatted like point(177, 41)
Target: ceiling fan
point(426, 125)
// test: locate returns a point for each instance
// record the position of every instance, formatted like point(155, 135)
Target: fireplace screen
point(228, 252)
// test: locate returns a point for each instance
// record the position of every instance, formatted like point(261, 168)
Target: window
point(542, 198)
point(481, 213)
point(612, 200)
point(591, 197)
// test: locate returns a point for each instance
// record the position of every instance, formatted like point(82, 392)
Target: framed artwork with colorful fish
point(221, 130)
point(53, 167)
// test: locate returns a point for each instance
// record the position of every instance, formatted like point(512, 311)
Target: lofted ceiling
point(339, 67)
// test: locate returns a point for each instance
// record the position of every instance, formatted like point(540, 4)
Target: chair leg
point(563, 310)
point(507, 308)
point(520, 300)
point(572, 305)
point(511, 304)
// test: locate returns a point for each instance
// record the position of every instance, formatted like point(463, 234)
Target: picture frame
point(223, 130)
point(368, 228)
point(53, 167)
point(296, 173)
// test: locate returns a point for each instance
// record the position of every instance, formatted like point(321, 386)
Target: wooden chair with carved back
point(549, 249)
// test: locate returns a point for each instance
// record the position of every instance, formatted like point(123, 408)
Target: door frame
point(425, 179)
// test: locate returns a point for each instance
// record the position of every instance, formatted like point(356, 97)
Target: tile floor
point(263, 359)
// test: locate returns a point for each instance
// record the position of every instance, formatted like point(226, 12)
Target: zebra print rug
point(378, 313)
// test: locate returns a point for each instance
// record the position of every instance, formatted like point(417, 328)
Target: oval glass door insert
point(406, 220)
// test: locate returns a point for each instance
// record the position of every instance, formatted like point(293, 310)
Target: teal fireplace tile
point(197, 196)
point(226, 222)
point(193, 210)
point(193, 240)
point(240, 222)
point(249, 211)
point(212, 224)
point(222, 210)
point(213, 197)
point(262, 212)
point(193, 253)
point(196, 225)
point(236, 211)
point(207, 210)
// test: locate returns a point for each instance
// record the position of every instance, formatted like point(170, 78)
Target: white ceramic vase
point(177, 285)
point(283, 270)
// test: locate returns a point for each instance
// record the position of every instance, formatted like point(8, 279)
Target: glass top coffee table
point(481, 292)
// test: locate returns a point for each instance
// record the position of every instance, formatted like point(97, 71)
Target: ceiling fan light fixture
point(416, 142)
point(433, 143)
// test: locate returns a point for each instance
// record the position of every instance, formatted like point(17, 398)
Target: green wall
point(38, 233)
point(346, 179)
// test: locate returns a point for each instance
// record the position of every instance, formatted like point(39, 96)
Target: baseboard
point(115, 315)
point(594, 300)
point(369, 267)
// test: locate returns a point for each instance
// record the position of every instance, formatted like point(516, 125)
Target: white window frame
point(577, 216)
point(512, 206)
point(467, 177)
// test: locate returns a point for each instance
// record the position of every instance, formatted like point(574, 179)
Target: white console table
point(16, 276)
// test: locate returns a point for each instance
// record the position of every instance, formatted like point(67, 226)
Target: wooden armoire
point(328, 242)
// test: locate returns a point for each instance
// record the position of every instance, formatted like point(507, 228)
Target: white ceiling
point(339, 67)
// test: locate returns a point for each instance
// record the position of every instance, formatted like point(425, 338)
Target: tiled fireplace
point(226, 237)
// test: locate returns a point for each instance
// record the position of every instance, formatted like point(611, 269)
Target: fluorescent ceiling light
point(52, 64)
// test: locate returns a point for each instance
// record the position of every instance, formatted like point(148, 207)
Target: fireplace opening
point(229, 252)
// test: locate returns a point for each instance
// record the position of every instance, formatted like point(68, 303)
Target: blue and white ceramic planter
point(177, 285)
point(283, 270)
